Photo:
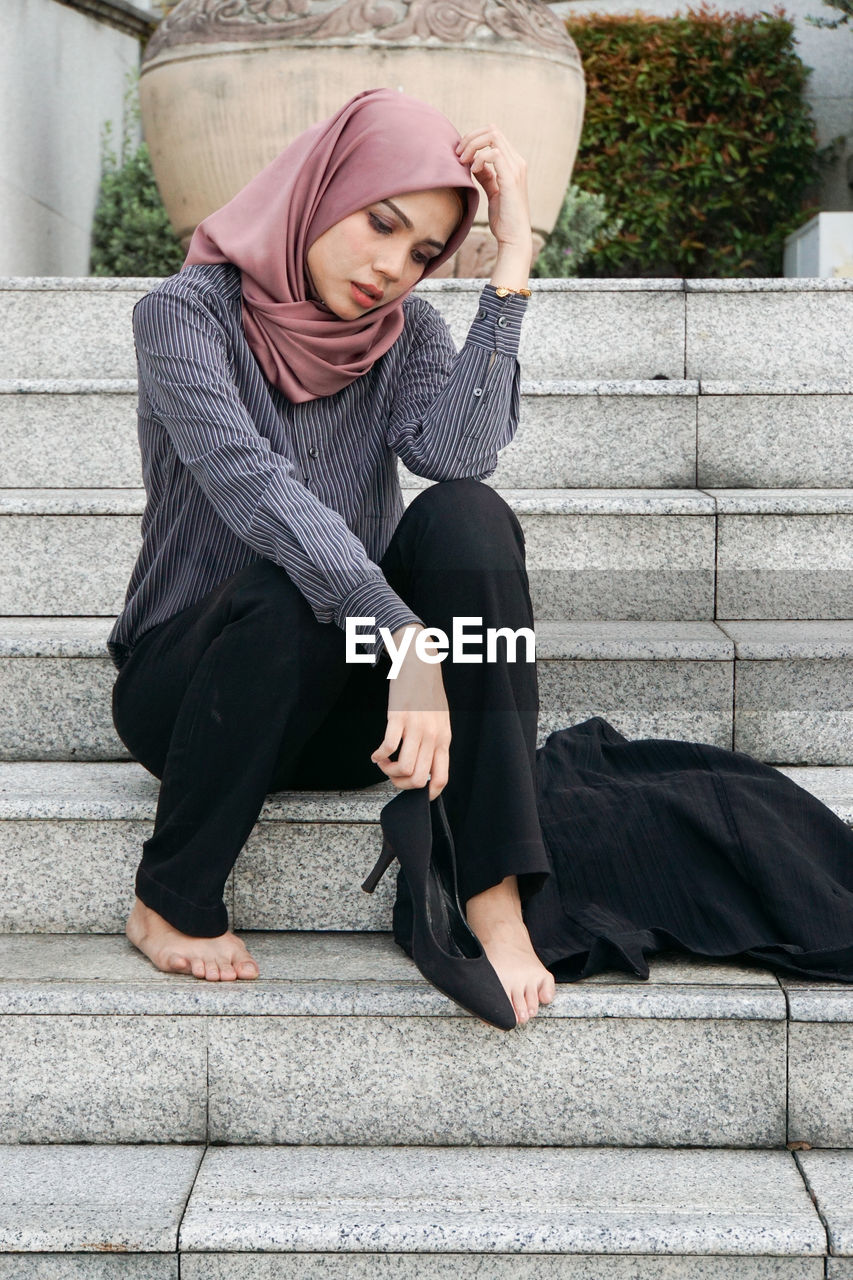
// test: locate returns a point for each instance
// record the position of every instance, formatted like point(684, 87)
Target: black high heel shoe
point(445, 949)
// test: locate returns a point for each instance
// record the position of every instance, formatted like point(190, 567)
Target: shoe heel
point(384, 861)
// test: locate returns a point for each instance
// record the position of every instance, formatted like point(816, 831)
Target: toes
point(227, 972)
point(531, 999)
point(547, 988)
point(198, 967)
point(519, 1004)
point(211, 971)
point(176, 964)
point(246, 969)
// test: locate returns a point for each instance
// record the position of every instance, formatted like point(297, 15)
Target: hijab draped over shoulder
point(379, 144)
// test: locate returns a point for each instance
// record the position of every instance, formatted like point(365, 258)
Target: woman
point(280, 373)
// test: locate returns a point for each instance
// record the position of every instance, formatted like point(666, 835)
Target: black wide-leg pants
point(245, 692)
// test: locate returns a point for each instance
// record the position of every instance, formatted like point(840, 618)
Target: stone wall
point(63, 69)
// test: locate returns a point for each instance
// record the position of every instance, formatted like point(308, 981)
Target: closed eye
point(385, 230)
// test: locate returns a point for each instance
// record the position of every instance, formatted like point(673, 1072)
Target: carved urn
point(227, 84)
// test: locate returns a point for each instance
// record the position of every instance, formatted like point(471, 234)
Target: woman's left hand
point(502, 173)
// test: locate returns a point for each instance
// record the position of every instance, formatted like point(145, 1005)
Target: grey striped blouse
point(234, 471)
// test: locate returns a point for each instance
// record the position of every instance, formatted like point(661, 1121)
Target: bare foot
point(224, 958)
point(495, 917)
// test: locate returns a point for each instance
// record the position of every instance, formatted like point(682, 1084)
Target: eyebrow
point(407, 222)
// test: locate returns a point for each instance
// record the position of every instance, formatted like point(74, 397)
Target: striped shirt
point(235, 472)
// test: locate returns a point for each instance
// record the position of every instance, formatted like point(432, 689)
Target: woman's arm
point(183, 365)
point(452, 414)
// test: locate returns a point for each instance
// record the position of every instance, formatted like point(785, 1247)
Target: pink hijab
point(379, 144)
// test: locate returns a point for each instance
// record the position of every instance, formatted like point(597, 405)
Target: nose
point(390, 261)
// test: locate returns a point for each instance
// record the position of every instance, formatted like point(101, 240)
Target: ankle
point(496, 907)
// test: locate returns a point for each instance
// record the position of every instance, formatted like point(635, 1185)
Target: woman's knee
point(466, 516)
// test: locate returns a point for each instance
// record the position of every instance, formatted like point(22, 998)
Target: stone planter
point(226, 84)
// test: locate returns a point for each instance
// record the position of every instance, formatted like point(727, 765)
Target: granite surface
point(601, 438)
point(54, 637)
point(57, 709)
point(86, 1199)
point(734, 1203)
point(792, 502)
point(67, 564)
point(60, 707)
point(685, 699)
point(608, 1080)
point(68, 332)
point(590, 332)
point(87, 1266)
point(72, 502)
point(833, 786)
point(838, 384)
point(340, 974)
point(820, 1086)
point(785, 566)
point(780, 440)
point(781, 641)
point(813, 1001)
point(308, 875)
point(839, 1269)
point(492, 1266)
point(648, 640)
point(795, 711)
point(768, 333)
point(829, 1175)
point(71, 439)
point(96, 1079)
point(620, 566)
point(110, 792)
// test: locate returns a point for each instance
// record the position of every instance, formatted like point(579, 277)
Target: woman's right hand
point(418, 723)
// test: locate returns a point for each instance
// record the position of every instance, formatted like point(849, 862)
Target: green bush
point(583, 222)
point(698, 136)
point(131, 234)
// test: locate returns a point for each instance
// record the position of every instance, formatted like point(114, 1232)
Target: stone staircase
point(684, 477)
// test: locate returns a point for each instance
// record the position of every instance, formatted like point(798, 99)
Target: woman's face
point(373, 256)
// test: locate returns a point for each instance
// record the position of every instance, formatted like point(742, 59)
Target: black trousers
point(245, 692)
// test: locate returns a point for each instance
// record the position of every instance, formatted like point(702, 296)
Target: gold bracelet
point(503, 292)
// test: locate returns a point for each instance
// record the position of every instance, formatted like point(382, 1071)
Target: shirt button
point(478, 391)
point(502, 322)
point(481, 315)
point(312, 452)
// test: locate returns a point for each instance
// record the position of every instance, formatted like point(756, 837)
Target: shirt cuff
point(378, 600)
point(497, 324)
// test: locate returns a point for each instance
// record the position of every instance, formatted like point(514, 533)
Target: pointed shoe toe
point(445, 949)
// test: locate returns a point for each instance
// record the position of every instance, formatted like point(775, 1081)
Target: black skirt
point(660, 845)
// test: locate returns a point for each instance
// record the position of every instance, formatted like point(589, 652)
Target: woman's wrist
point(512, 266)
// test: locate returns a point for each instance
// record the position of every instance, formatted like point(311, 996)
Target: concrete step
point(790, 703)
point(652, 678)
point(341, 1041)
point(409, 1214)
point(573, 434)
point(656, 554)
point(590, 553)
point(71, 837)
point(768, 329)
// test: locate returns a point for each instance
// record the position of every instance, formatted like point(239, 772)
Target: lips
point(368, 290)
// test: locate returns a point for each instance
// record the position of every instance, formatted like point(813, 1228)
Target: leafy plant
point(845, 8)
point(583, 221)
point(131, 233)
point(698, 135)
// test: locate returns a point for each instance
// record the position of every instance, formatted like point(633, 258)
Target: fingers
point(492, 139)
point(424, 755)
